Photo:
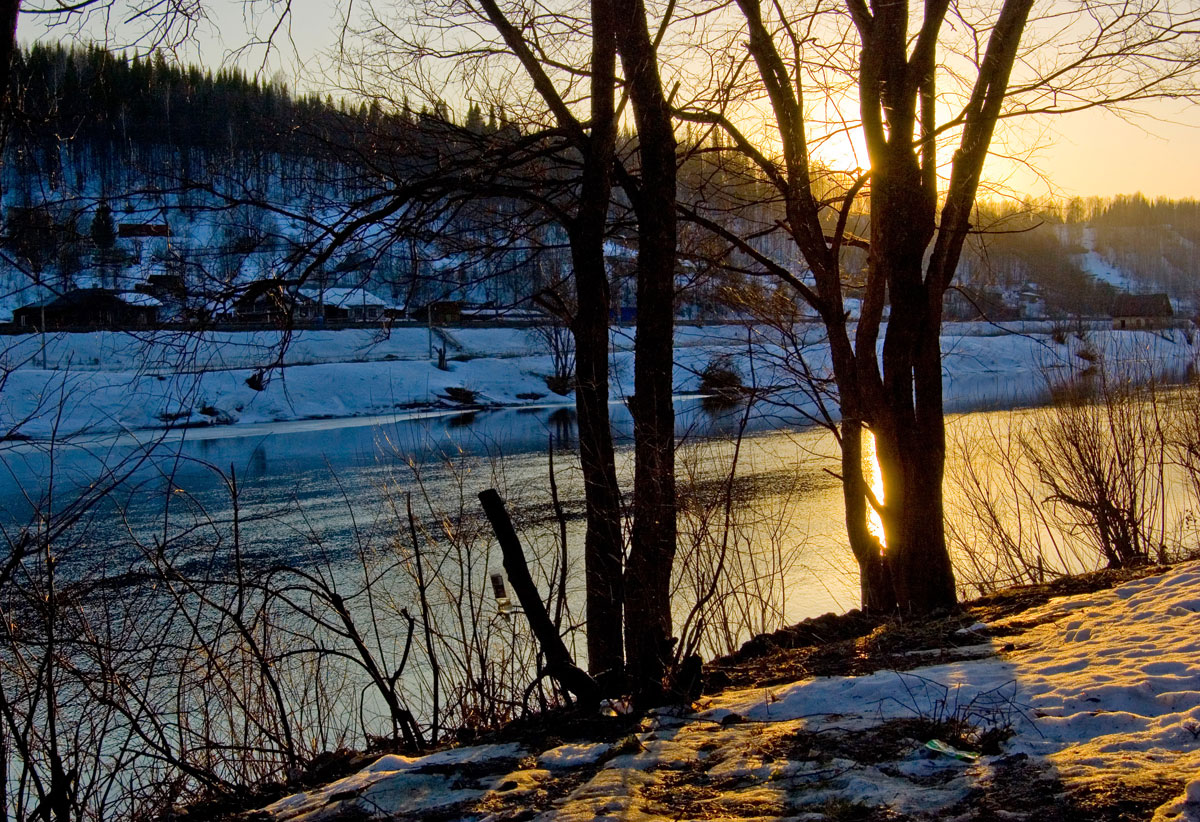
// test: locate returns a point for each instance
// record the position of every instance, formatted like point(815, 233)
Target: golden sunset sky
point(1095, 153)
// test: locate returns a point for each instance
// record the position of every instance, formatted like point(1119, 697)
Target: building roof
point(91, 296)
point(140, 300)
point(344, 297)
point(1142, 305)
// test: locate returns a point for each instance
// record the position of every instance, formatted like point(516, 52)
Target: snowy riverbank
point(105, 382)
point(1101, 693)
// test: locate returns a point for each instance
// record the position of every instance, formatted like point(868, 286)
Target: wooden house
point(271, 301)
point(1139, 311)
point(90, 308)
point(345, 304)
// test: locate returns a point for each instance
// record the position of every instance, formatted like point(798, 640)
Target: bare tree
point(570, 70)
point(648, 634)
point(945, 76)
point(587, 228)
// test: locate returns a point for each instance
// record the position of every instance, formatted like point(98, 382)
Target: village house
point(90, 308)
point(1140, 311)
point(271, 301)
point(345, 304)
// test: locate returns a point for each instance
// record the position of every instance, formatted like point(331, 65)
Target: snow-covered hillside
point(1096, 266)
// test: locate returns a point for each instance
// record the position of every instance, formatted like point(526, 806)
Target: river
point(318, 491)
point(323, 479)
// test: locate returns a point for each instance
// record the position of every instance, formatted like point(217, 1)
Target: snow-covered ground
point(105, 382)
point(1103, 693)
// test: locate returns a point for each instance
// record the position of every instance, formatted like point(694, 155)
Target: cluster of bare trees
point(923, 90)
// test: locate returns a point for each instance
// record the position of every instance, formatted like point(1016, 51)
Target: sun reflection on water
point(874, 479)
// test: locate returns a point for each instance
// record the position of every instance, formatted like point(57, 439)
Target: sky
point(1099, 153)
point(1086, 154)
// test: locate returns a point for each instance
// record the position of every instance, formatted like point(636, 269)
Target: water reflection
point(462, 420)
point(318, 484)
point(563, 423)
point(321, 483)
point(258, 461)
point(312, 490)
point(722, 402)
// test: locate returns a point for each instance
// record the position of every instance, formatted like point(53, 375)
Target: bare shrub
point(210, 670)
point(1100, 457)
point(559, 341)
point(732, 567)
point(460, 395)
point(1000, 532)
point(1183, 446)
point(483, 665)
point(722, 382)
point(1086, 481)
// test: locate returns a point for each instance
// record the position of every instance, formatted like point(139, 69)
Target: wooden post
point(558, 659)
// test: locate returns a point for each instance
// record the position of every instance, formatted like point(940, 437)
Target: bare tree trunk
point(558, 659)
point(603, 540)
point(916, 541)
point(652, 544)
point(875, 580)
point(9, 10)
point(929, 581)
point(603, 554)
point(909, 425)
point(914, 252)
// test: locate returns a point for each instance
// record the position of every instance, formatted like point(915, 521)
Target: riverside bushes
point(1107, 475)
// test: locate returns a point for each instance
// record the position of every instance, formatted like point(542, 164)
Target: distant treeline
point(89, 93)
point(85, 111)
point(92, 95)
point(1132, 210)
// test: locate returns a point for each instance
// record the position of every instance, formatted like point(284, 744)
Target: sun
point(841, 151)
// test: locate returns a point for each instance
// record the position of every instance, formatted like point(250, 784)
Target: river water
point(320, 481)
point(317, 491)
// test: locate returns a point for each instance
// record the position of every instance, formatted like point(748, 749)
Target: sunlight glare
point(842, 152)
point(875, 480)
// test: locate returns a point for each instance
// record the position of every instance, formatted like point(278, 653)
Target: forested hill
point(94, 96)
point(252, 179)
point(95, 111)
point(1158, 239)
point(221, 156)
